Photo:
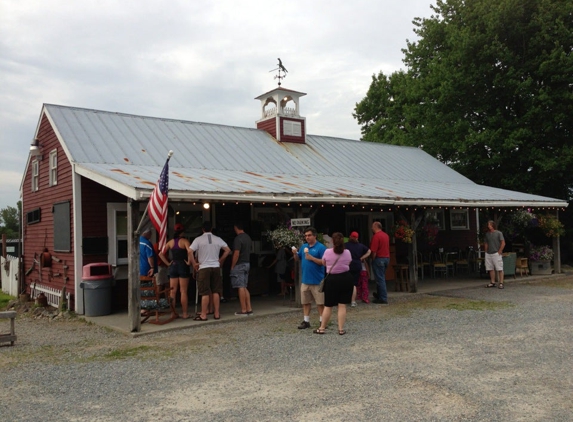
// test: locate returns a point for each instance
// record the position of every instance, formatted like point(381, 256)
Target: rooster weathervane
point(282, 71)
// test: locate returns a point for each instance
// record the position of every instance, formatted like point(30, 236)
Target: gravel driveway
point(462, 355)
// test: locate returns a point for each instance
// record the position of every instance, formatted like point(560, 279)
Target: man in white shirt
point(209, 280)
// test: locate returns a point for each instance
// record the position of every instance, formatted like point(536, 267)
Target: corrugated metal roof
point(127, 152)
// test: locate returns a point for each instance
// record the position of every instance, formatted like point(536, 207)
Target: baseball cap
point(354, 234)
point(179, 227)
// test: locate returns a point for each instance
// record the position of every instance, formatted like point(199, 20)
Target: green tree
point(10, 221)
point(488, 90)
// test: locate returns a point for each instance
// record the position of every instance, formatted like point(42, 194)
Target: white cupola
point(280, 115)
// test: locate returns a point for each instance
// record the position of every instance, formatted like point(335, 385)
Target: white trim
point(35, 179)
point(110, 183)
point(77, 236)
point(53, 167)
point(461, 212)
point(112, 209)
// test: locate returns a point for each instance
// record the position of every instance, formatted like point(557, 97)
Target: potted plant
point(284, 236)
point(540, 258)
point(402, 231)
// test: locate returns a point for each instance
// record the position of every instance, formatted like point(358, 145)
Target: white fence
point(9, 274)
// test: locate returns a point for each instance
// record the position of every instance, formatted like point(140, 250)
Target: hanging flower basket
point(402, 231)
point(284, 236)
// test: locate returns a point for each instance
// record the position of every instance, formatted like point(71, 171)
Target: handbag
point(321, 285)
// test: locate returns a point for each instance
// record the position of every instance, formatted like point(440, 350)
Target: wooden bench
point(11, 336)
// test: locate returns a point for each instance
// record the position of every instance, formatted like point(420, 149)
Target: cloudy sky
point(192, 60)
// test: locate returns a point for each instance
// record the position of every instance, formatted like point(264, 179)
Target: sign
point(298, 222)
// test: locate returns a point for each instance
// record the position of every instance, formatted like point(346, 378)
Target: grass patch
point(478, 305)
point(4, 299)
point(126, 353)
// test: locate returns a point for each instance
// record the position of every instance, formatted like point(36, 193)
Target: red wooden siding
point(39, 235)
point(269, 126)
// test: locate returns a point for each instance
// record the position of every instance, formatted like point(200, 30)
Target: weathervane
point(282, 69)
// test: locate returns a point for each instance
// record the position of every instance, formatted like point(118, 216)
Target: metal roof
point(127, 152)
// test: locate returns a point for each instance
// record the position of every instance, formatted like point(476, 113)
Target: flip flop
point(217, 317)
point(319, 331)
point(490, 285)
point(501, 285)
point(198, 318)
point(341, 332)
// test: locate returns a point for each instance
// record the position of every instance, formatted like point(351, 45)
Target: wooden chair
point(152, 302)
point(438, 266)
point(463, 263)
point(450, 263)
point(423, 263)
point(521, 266)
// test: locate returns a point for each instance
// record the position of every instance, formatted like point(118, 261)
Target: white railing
point(270, 112)
point(52, 294)
point(289, 111)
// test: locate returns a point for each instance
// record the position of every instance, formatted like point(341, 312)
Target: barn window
point(117, 233)
point(62, 227)
point(34, 216)
point(35, 175)
point(53, 167)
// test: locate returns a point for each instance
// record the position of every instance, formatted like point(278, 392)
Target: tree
point(10, 221)
point(488, 90)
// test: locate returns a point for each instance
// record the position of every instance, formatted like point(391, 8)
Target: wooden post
point(413, 253)
point(134, 305)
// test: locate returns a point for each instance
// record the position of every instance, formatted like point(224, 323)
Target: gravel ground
point(462, 355)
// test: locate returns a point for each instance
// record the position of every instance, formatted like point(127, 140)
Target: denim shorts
point(240, 275)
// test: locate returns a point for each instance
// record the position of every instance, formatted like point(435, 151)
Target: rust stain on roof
point(145, 182)
point(126, 159)
point(120, 171)
point(253, 174)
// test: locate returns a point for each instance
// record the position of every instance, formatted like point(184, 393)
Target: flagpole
point(137, 231)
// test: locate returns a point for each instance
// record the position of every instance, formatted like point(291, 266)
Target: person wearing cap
point(179, 271)
point(208, 266)
point(358, 268)
point(147, 258)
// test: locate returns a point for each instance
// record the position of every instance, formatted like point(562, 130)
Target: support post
point(134, 305)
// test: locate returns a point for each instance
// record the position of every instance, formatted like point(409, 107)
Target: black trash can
point(97, 284)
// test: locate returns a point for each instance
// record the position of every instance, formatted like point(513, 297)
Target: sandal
point(491, 285)
point(319, 331)
point(341, 332)
point(501, 285)
point(198, 318)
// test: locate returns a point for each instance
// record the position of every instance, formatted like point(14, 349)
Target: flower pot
point(541, 268)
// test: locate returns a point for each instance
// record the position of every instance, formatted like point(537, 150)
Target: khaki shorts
point(309, 292)
point(493, 261)
point(209, 280)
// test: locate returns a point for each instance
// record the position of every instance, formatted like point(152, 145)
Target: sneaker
point(353, 305)
point(304, 325)
point(242, 313)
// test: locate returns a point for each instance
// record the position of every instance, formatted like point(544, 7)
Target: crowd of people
point(337, 275)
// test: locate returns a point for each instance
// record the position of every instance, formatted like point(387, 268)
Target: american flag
point(158, 205)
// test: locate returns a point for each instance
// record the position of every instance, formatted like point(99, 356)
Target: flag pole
point(137, 231)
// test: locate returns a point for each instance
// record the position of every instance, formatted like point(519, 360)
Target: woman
point(179, 266)
point(338, 285)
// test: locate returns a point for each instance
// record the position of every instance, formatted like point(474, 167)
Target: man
point(380, 251)
point(146, 255)
point(493, 246)
point(310, 254)
point(240, 265)
point(209, 280)
point(359, 253)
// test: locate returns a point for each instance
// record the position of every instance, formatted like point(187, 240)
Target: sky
point(202, 61)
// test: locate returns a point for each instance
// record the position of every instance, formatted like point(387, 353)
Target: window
point(291, 128)
point(459, 220)
point(35, 175)
point(34, 216)
point(53, 167)
point(62, 227)
point(435, 217)
point(117, 233)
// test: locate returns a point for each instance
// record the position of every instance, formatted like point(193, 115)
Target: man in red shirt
point(380, 252)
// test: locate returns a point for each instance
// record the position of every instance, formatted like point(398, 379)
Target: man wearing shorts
point(240, 266)
point(208, 264)
point(310, 255)
point(493, 246)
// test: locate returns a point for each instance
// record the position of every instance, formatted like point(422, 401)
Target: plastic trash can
point(97, 284)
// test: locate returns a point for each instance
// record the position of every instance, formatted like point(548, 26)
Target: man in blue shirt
point(310, 255)
point(146, 255)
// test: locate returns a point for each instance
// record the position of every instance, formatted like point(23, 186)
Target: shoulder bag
point(321, 286)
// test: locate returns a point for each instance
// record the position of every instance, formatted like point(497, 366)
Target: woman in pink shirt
point(338, 285)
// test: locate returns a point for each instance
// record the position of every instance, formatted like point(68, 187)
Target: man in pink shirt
point(380, 252)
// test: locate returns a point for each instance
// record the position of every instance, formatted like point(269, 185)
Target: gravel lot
point(462, 355)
